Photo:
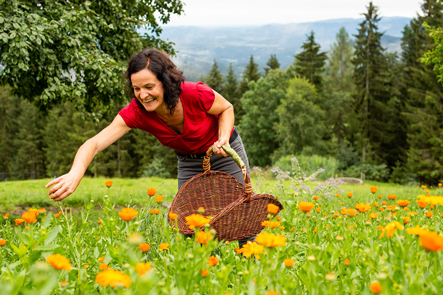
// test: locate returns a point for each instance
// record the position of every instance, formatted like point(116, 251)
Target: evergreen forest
point(355, 108)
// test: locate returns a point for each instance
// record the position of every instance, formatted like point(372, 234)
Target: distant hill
point(199, 46)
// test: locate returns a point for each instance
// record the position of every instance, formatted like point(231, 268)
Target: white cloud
point(260, 12)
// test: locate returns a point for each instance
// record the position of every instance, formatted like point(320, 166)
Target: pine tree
point(250, 74)
point(424, 96)
point(339, 84)
point(272, 64)
point(214, 78)
point(372, 89)
point(231, 93)
point(310, 61)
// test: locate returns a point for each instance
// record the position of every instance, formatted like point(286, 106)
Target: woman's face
point(148, 90)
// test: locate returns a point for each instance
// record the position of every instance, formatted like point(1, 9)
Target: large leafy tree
point(424, 95)
point(309, 63)
point(57, 51)
point(258, 124)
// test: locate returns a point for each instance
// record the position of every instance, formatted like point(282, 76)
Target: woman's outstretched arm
point(67, 183)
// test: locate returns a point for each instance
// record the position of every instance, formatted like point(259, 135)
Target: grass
point(32, 193)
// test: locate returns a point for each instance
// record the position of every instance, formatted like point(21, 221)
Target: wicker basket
point(237, 211)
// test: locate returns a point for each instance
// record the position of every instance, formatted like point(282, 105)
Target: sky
point(261, 12)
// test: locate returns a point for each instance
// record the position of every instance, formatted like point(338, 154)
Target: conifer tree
point(339, 84)
point(310, 61)
point(231, 93)
point(214, 78)
point(423, 95)
point(372, 89)
point(272, 64)
point(250, 74)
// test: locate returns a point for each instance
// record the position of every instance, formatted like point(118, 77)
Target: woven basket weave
point(237, 211)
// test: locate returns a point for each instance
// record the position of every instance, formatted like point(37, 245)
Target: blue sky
point(260, 12)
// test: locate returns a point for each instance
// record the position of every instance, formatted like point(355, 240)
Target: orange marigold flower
point(213, 261)
point(316, 197)
point(349, 194)
point(403, 203)
point(422, 204)
point(427, 191)
point(196, 220)
point(172, 216)
point(273, 209)
point(406, 220)
point(19, 221)
point(128, 213)
point(379, 196)
point(380, 227)
point(423, 186)
point(265, 223)
point(151, 191)
point(384, 203)
point(108, 183)
point(252, 248)
point(103, 266)
point(431, 241)
point(305, 206)
point(392, 197)
point(142, 268)
point(318, 209)
point(41, 210)
point(112, 277)
point(205, 272)
point(101, 259)
point(363, 207)
point(99, 221)
point(351, 212)
point(2, 242)
point(271, 240)
point(151, 211)
point(163, 246)
point(203, 237)
point(272, 293)
point(6, 216)
point(347, 262)
point(64, 283)
point(373, 215)
point(375, 287)
point(416, 230)
point(156, 211)
point(29, 217)
point(439, 184)
point(201, 210)
point(431, 206)
point(159, 198)
point(429, 214)
point(59, 262)
point(274, 224)
point(373, 189)
point(144, 247)
point(288, 262)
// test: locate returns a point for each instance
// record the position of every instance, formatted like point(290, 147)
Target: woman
point(188, 117)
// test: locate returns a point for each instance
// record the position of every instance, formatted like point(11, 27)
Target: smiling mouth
point(147, 100)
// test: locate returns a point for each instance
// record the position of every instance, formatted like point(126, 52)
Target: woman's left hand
point(217, 147)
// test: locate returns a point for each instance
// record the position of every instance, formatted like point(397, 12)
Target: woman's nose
point(144, 93)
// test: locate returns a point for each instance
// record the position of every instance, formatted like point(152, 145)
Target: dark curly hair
point(159, 63)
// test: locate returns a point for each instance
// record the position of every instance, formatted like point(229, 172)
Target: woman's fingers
point(52, 182)
point(58, 193)
point(54, 188)
point(64, 195)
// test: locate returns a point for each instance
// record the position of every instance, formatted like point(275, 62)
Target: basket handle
point(230, 151)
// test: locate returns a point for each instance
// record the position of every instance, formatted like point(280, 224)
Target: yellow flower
point(30, 216)
point(112, 277)
point(416, 230)
point(373, 215)
point(289, 262)
point(252, 248)
point(203, 237)
point(142, 268)
point(271, 240)
point(163, 246)
point(403, 203)
point(431, 241)
point(101, 259)
point(363, 207)
point(196, 220)
point(159, 198)
point(59, 262)
point(391, 228)
point(213, 261)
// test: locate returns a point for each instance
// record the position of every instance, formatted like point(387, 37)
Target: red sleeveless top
point(200, 129)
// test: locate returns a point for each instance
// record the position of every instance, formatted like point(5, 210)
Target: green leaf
point(53, 234)
point(45, 248)
point(47, 221)
point(22, 236)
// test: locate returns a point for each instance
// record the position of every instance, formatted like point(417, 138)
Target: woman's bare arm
point(225, 112)
point(67, 183)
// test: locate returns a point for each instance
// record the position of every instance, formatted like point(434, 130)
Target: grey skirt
point(189, 167)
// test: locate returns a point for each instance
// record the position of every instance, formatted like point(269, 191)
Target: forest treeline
point(356, 106)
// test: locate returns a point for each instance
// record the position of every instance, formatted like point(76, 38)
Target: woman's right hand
point(64, 186)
